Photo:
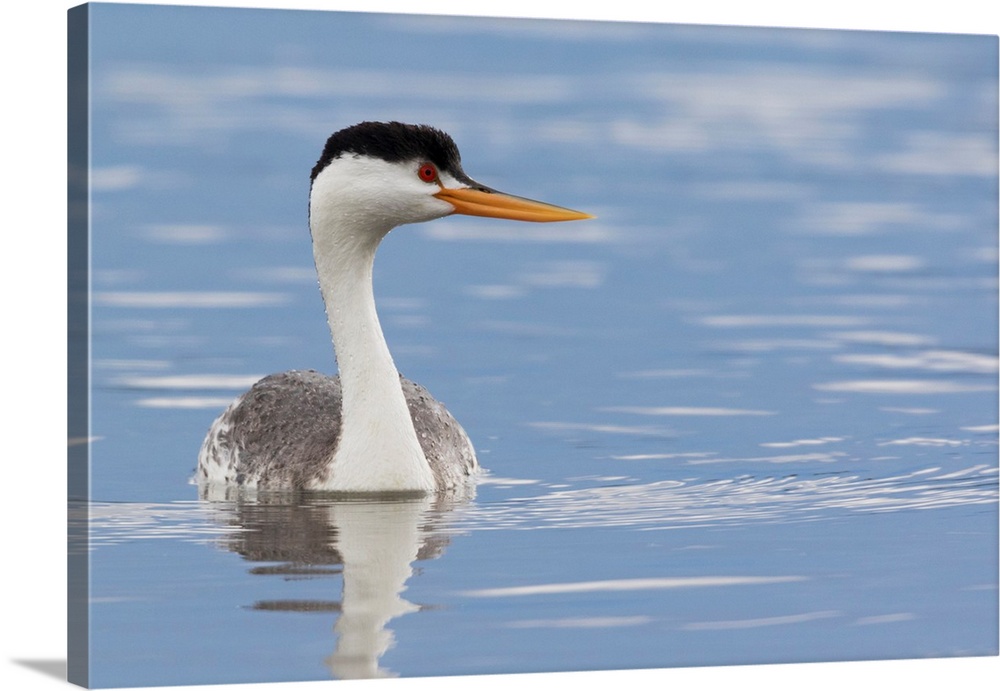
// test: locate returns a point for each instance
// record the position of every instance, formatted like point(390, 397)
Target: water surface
point(748, 414)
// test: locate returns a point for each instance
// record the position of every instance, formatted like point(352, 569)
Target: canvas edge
point(78, 344)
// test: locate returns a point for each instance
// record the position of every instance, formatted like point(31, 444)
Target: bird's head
point(379, 175)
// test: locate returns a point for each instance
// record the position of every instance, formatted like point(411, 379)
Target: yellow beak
point(472, 202)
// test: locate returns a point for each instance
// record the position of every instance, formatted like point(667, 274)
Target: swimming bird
point(368, 429)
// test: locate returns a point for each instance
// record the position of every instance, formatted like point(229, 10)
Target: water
point(748, 414)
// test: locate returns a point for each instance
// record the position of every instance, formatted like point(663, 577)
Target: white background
point(33, 399)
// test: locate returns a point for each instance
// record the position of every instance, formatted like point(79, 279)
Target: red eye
point(427, 172)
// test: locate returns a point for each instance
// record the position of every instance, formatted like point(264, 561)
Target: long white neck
point(378, 448)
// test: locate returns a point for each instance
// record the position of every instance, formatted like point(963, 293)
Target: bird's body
point(369, 429)
point(286, 424)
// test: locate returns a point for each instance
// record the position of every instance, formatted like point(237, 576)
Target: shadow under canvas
point(50, 668)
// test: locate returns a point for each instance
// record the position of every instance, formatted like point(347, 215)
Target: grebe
point(368, 429)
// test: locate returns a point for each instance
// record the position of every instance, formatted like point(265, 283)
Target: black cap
point(394, 142)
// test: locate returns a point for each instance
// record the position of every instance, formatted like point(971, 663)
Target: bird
point(368, 428)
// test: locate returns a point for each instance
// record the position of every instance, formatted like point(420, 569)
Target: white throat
point(378, 448)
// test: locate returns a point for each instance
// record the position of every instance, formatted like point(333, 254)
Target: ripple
point(674, 504)
point(119, 523)
point(661, 505)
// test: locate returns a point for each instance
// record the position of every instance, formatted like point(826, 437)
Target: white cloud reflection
point(190, 92)
point(198, 300)
point(885, 338)
point(801, 442)
point(787, 458)
point(815, 117)
point(114, 178)
point(884, 263)
point(688, 411)
point(585, 233)
point(930, 360)
point(184, 402)
point(192, 108)
point(186, 234)
point(191, 381)
point(853, 218)
point(924, 441)
point(942, 153)
point(902, 386)
point(819, 117)
point(598, 428)
point(631, 584)
point(782, 320)
point(982, 428)
point(885, 619)
point(556, 274)
point(581, 622)
point(758, 623)
point(911, 411)
point(565, 274)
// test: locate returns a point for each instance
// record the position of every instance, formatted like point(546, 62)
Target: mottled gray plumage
point(282, 433)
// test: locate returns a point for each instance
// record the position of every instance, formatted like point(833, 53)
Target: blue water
point(748, 414)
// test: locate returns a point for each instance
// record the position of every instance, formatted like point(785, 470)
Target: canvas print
point(678, 348)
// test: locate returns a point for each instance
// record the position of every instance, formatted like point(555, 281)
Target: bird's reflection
point(371, 542)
